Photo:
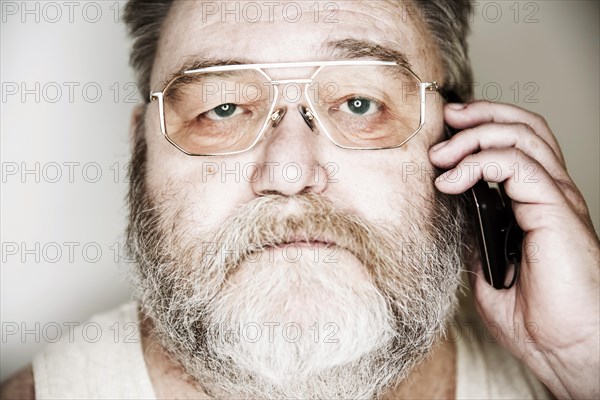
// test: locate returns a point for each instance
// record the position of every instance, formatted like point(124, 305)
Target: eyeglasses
point(358, 105)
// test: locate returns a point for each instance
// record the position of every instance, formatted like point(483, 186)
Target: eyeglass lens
point(365, 106)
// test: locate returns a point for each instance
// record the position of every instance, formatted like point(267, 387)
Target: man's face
point(351, 244)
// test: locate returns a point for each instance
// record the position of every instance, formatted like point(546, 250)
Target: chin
point(313, 322)
point(313, 313)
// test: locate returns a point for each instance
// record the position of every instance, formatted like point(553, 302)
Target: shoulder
point(19, 386)
point(101, 358)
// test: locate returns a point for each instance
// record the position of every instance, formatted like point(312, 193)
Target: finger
point(481, 111)
point(541, 202)
point(494, 136)
point(525, 180)
point(490, 301)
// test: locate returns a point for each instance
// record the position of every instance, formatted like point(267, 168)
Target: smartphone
point(499, 237)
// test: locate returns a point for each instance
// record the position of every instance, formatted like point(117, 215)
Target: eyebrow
point(355, 48)
point(194, 62)
point(346, 48)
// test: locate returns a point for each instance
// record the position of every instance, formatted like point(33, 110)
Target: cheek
point(201, 194)
point(380, 185)
point(199, 191)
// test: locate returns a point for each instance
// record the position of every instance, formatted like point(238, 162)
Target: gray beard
point(246, 322)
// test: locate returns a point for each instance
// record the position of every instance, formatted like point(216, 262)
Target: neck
point(433, 378)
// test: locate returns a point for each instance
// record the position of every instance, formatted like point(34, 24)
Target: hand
point(556, 299)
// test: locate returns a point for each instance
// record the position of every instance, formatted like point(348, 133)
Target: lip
point(295, 239)
point(322, 241)
point(304, 243)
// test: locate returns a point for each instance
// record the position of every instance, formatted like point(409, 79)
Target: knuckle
point(541, 128)
point(518, 154)
point(539, 120)
point(573, 195)
point(524, 128)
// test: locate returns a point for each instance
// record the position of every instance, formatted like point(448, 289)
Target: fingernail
point(456, 106)
point(439, 145)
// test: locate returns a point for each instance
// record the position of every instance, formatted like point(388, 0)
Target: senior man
point(285, 246)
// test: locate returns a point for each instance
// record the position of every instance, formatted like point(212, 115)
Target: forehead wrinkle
point(391, 14)
point(389, 18)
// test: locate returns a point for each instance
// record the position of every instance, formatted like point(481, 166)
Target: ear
point(137, 117)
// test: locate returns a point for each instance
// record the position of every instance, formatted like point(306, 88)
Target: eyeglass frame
point(423, 88)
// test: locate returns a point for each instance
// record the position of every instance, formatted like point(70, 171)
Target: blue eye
point(223, 111)
point(360, 106)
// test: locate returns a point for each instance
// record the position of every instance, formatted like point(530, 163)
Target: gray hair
point(447, 21)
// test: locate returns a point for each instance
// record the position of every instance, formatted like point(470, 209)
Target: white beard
point(354, 326)
point(310, 317)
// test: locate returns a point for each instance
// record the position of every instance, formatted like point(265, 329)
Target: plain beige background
point(541, 55)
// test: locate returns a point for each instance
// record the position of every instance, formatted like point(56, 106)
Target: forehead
point(289, 31)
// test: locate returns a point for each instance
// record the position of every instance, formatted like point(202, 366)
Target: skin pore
point(367, 183)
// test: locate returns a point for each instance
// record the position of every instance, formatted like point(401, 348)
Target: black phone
point(499, 237)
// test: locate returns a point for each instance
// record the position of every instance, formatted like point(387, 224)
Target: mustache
point(276, 220)
point(186, 265)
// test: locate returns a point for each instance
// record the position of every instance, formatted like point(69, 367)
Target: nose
point(290, 161)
